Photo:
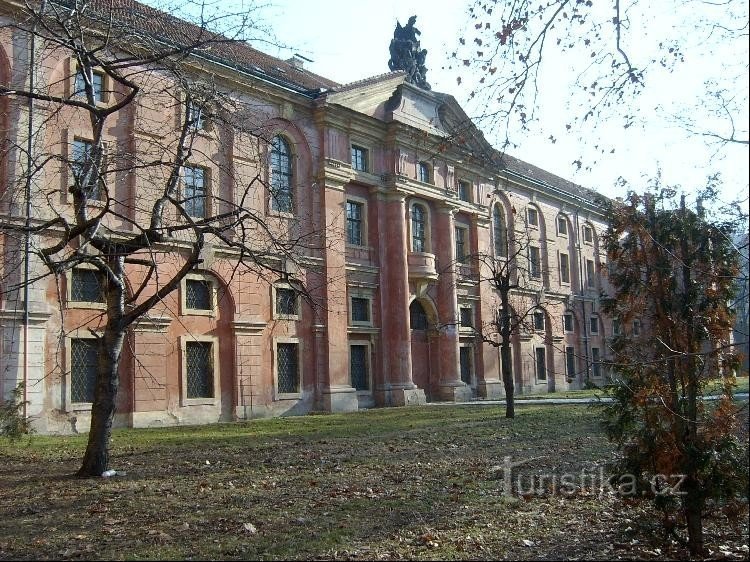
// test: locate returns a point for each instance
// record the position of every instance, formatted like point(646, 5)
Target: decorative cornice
point(158, 324)
point(248, 326)
point(16, 317)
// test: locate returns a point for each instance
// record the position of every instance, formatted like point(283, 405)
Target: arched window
point(281, 175)
point(417, 316)
point(424, 172)
point(499, 233)
point(418, 228)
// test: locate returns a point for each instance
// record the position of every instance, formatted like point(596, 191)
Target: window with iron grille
point(499, 232)
point(198, 294)
point(596, 362)
point(199, 369)
point(280, 165)
point(286, 301)
point(541, 364)
point(465, 362)
point(567, 322)
point(86, 285)
point(590, 274)
point(564, 268)
point(359, 158)
point(287, 367)
point(424, 172)
point(359, 367)
point(535, 261)
point(461, 244)
point(570, 362)
point(84, 359)
point(85, 174)
point(418, 228)
point(562, 226)
point(195, 191)
point(594, 322)
point(539, 320)
point(467, 317)
point(533, 216)
point(360, 309)
point(97, 83)
point(464, 190)
point(354, 225)
point(417, 316)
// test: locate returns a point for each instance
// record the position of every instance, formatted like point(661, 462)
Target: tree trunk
point(96, 458)
point(505, 364)
point(693, 508)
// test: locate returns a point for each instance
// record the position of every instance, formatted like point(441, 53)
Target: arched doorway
point(422, 320)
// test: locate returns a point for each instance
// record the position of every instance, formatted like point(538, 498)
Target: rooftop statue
point(407, 55)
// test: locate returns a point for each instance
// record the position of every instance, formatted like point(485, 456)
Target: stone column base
point(401, 396)
point(491, 389)
point(339, 399)
point(455, 392)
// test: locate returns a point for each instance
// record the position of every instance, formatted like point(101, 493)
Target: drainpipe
point(582, 297)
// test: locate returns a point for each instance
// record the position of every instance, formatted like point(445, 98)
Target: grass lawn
point(400, 483)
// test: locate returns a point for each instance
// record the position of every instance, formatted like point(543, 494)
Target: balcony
point(422, 265)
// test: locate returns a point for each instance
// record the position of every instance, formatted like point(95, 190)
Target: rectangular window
point(588, 235)
point(535, 262)
point(466, 359)
point(359, 367)
point(461, 244)
point(424, 172)
point(567, 322)
point(195, 116)
point(359, 158)
point(199, 370)
point(594, 323)
point(195, 191)
point(539, 320)
point(464, 190)
point(562, 226)
point(354, 224)
point(570, 362)
point(287, 365)
point(84, 173)
point(84, 359)
point(286, 301)
point(636, 327)
point(596, 362)
point(86, 285)
point(360, 309)
point(541, 364)
point(97, 83)
point(564, 268)
point(590, 274)
point(467, 317)
point(533, 216)
point(198, 294)
point(615, 327)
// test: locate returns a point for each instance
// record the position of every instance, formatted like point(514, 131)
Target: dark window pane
point(424, 172)
point(460, 244)
point(97, 82)
point(287, 367)
point(198, 294)
point(562, 225)
point(418, 224)
point(195, 192)
point(465, 358)
point(286, 301)
point(596, 362)
point(533, 217)
point(539, 320)
point(417, 316)
point(499, 232)
point(535, 259)
point(359, 158)
point(360, 309)
point(85, 174)
point(360, 375)
point(570, 362)
point(541, 364)
point(281, 175)
point(86, 286)
point(568, 322)
point(594, 325)
point(354, 223)
point(467, 317)
point(564, 268)
point(84, 358)
point(199, 367)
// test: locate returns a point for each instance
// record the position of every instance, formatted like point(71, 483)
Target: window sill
point(199, 402)
point(287, 317)
point(288, 396)
point(198, 312)
point(85, 305)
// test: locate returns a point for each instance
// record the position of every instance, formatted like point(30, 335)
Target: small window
point(424, 173)
point(466, 363)
point(538, 318)
point(84, 360)
point(588, 235)
point(541, 364)
point(359, 158)
point(616, 327)
point(87, 285)
point(287, 367)
point(286, 301)
point(562, 226)
point(195, 114)
point(85, 175)
point(590, 274)
point(418, 228)
point(97, 83)
point(280, 166)
point(360, 310)
point(199, 370)
point(198, 294)
point(359, 367)
point(464, 190)
point(570, 362)
point(417, 316)
point(354, 223)
point(533, 216)
point(462, 236)
point(466, 317)
point(564, 268)
point(195, 191)
point(568, 322)
point(594, 324)
point(596, 362)
point(535, 262)
point(636, 327)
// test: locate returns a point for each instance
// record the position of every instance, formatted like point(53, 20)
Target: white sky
point(348, 40)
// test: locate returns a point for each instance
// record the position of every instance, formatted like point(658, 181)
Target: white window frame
point(427, 227)
point(106, 93)
point(300, 368)
point(207, 190)
point(213, 295)
point(564, 220)
point(68, 404)
point(590, 229)
point(69, 302)
point(214, 341)
point(368, 361)
point(538, 213)
point(360, 201)
point(274, 313)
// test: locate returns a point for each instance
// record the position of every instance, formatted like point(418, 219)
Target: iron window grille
point(286, 301)
point(198, 294)
point(287, 368)
point(360, 309)
point(87, 285)
point(199, 370)
point(84, 360)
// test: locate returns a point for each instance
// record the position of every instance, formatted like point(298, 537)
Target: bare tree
point(66, 202)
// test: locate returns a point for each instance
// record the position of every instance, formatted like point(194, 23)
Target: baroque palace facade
point(408, 211)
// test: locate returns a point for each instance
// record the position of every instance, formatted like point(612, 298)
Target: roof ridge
point(369, 80)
